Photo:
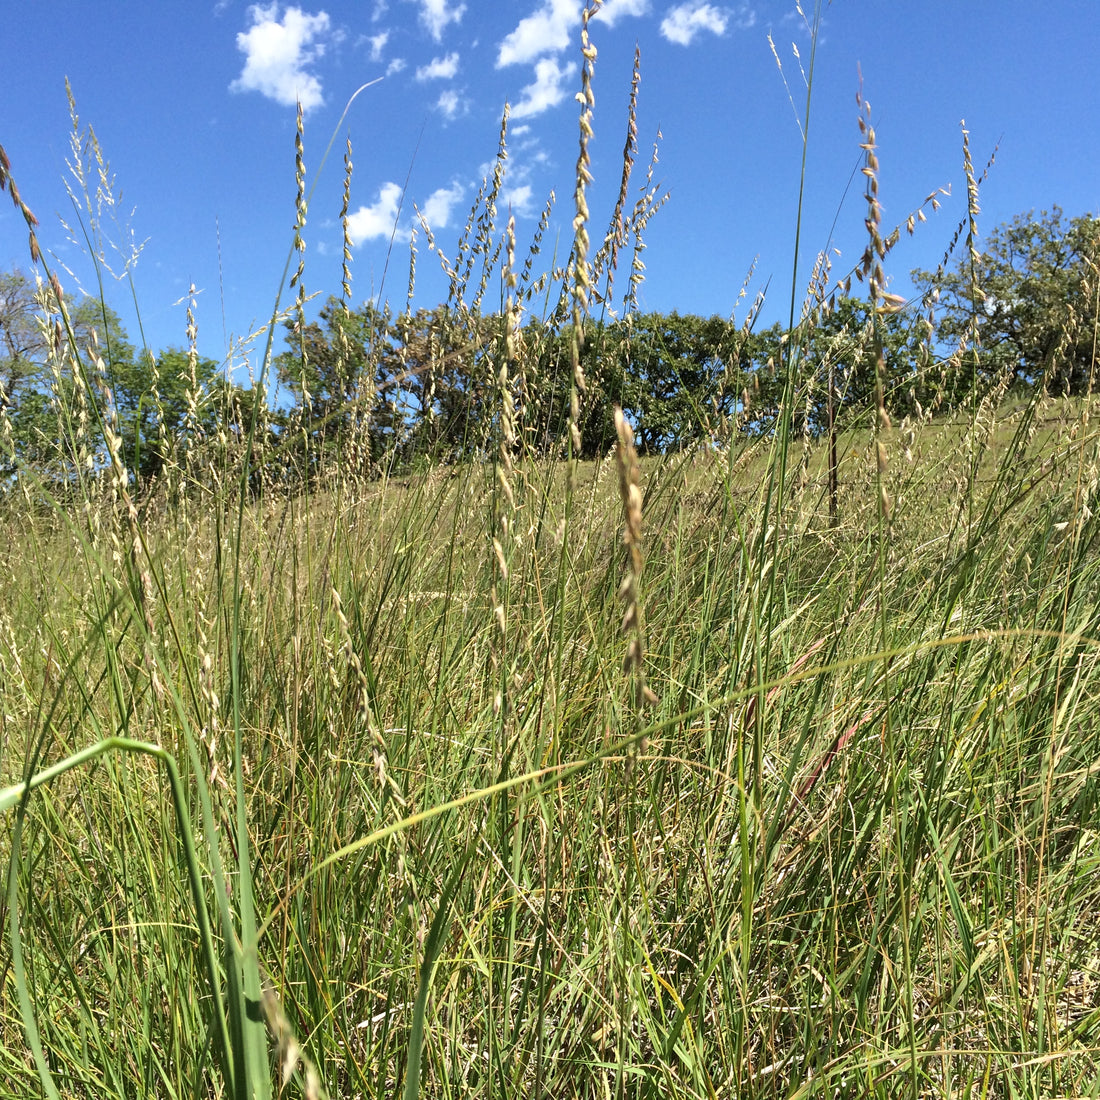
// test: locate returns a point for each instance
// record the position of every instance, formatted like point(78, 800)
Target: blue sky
point(193, 105)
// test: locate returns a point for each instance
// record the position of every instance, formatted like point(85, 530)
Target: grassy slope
point(854, 854)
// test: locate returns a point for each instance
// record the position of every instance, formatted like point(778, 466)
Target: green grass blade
point(432, 947)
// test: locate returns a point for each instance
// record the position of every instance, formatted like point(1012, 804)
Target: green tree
point(22, 338)
point(683, 375)
point(49, 409)
point(436, 372)
point(841, 345)
point(334, 370)
point(23, 348)
point(148, 394)
point(182, 410)
point(54, 414)
point(675, 376)
point(1030, 301)
point(330, 365)
point(549, 382)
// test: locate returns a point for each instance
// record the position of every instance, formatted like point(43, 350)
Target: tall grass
point(558, 779)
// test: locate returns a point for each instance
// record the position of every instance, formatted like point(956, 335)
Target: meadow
point(654, 777)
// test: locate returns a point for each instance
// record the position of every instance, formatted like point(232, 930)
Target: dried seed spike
point(626, 457)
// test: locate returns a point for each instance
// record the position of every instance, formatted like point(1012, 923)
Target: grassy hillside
point(844, 844)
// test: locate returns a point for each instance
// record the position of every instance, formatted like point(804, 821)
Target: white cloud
point(437, 209)
point(685, 21)
point(380, 221)
point(278, 52)
point(745, 18)
point(395, 66)
point(549, 30)
point(378, 44)
point(436, 14)
point(371, 222)
point(519, 200)
point(547, 90)
point(439, 68)
point(613, 10)
point(450, 104)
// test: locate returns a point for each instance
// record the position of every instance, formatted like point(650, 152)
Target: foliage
point(677, 377)
point(1028, 305)
point(839, 345)
point(148, 395)
point(22, 340)
point(369, 385)
point(153, 402)
point(436, 373)
point(330, 367)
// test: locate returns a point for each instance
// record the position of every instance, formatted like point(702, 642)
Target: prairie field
point(832, 832)
point(427, 739)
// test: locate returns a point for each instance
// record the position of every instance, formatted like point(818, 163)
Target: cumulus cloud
point(436, 14)
point(552, 28)
point(437, 209)
point(450, 104)
point(278, 53)
point(377, 43)
point(520, 200)
point(380, 220)
point(613, 10)
point(548, 89)
point(395, 66)
point(439, 68)
point(548, 30)
point(685, 21)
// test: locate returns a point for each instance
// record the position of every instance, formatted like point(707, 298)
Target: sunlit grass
point(667, 915)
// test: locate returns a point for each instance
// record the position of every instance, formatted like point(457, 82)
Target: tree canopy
point(1028, 305)
point(52, 395)
point(368, 386)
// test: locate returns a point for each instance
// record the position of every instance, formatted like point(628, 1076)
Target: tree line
point(374, 387)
